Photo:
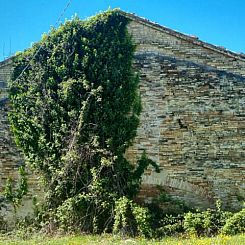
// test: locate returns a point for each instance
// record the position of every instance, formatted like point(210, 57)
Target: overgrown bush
point(131, 218)
point(167, 214)
point(235, 224)
point(75, 110)
point(197, 223)
point(170, 225)
point(208, 222)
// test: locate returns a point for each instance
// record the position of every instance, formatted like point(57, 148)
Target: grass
point(111, 240)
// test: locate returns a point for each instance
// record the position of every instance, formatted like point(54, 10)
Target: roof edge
point(6, 61)
point(182, 36)
point(188, 38)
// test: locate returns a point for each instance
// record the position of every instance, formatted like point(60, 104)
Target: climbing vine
point(14, 194)
point(75, 110)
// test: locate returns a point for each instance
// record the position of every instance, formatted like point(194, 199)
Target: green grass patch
point(108, 239)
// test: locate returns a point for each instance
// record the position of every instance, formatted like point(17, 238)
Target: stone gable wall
point(150, 38)
point(193, 118)
point(5, 70)
point(192, 123)
point(9, 156)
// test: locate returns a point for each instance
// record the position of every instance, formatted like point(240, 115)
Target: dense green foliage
point(74, 112)
point(235, 224)
point(14, 192)
point(171, 217)
point(208, 222)
point(131, 218)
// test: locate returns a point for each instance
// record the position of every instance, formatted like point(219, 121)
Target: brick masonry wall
point(10, 157)
point(151, 37)
point(5, 69)
point(193, 118)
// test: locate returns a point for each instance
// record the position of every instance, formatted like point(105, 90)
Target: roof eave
point(182, 36)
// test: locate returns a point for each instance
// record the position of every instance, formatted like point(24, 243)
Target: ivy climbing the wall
point(75, 110)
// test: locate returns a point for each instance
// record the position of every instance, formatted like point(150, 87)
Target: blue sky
point(220, 22)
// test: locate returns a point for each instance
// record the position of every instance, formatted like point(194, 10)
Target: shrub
point(69, 214)
point(167, 214)
point(131, 219)
point(208, 222)
point(235, 224)
point(170, 225)
point(194, 223)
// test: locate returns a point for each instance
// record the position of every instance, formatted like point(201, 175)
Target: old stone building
point(193, 118)
point(9, 156)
